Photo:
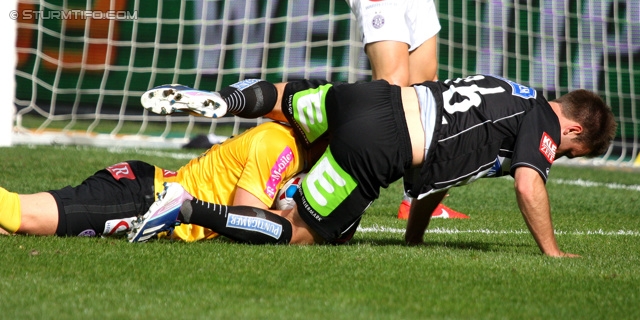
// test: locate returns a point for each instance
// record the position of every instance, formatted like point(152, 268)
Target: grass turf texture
point(485, 267)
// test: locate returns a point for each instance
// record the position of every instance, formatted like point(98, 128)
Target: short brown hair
point(596, 118)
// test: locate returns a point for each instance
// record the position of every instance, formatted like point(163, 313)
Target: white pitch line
point(592, 184)
point(162, 154)
point(382, 229)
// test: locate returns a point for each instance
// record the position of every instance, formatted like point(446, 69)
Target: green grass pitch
point(485, 267)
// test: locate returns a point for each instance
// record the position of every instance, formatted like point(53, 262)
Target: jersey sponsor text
point(284, 161)
point(548, 147)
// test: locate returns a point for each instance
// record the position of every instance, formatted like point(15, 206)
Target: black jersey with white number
point(489, 127)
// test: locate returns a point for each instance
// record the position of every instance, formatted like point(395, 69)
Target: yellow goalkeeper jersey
point(260, 160)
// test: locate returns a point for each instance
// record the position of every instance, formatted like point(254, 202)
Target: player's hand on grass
point(414, 241)
point(561, 254)
point(570, 255)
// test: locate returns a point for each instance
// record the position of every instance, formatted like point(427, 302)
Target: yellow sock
point(10, 214)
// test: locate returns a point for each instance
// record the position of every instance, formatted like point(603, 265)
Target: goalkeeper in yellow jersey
point(247, 169)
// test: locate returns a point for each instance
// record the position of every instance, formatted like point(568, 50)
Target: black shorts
point(369, 148)
point(120, 191)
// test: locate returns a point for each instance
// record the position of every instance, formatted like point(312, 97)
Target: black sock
point(240, 223)
point(250, 98)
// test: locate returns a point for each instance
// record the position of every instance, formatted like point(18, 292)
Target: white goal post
point(7, 74)
point(82, 65)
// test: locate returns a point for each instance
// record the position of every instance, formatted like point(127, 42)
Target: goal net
point(82, 65)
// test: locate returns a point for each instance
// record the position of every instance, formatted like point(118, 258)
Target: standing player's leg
point(424, 26)
point(389, 61)
point(423, 62)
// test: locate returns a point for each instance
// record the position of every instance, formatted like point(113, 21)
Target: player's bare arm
point(246, 198)
point(420, 216)
point(533, 201)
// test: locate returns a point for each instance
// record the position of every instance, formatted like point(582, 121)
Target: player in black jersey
point(436, 135)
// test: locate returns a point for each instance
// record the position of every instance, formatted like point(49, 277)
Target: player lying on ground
point(244, 170)
point(437, 135)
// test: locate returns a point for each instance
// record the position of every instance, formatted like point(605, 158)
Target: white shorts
point(410, 21)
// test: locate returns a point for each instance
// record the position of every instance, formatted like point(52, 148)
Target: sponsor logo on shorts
point(548, 147)
point(121, 170)
point(117, 226)
point(377, 21)
point(327, 185)
point(261, 225)
point(87, 233)
point(309, 111)
point(284, 161)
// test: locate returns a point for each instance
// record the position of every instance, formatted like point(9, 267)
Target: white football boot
point(170, 98)
point(162, 215)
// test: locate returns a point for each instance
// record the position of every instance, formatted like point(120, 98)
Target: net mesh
point(82, 65)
